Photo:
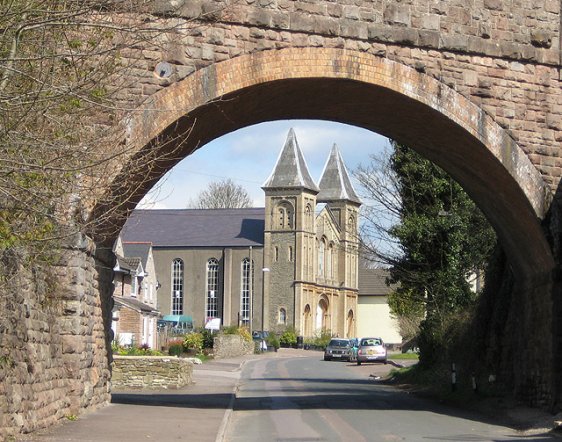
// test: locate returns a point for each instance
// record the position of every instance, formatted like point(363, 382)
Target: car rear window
point(368, 342)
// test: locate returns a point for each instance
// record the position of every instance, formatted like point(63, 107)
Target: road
point(307, 399)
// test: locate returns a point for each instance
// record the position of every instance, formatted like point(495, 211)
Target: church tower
point(290, 201)
point(343, 203)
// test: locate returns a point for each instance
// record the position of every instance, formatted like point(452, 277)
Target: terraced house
point(292, 263)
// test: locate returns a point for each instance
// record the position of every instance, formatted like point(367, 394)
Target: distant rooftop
point(373, 282)
point(196, 227)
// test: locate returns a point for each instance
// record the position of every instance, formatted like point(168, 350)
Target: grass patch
point(404, 356)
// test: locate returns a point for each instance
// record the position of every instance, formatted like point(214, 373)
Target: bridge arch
point(362, 90)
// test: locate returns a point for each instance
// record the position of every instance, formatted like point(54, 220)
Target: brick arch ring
point(370, 92)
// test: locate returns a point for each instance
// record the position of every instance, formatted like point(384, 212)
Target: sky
point(248, 155)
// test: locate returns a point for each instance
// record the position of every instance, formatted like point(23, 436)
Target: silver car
point(371, 350)
point(339, 349)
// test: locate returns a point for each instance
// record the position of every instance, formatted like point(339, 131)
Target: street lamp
point(264, 271)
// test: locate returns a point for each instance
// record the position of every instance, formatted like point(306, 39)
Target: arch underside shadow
point(441, 125)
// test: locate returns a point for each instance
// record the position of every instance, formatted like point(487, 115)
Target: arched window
point(329, 263)
point(351, 223)
point(212, 309)
point(177, 287)
point(282, 316)
point(308, 216)
point(246, 292)
point(285, 214)
point(350, 323)
point(321, 250)
point(307, 320)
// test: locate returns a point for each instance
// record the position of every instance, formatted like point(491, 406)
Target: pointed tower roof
point(335, 184)
point(291, 170)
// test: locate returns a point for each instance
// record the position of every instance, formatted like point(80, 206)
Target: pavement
point(199, 411)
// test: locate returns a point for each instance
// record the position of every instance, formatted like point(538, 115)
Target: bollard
point(453, 377)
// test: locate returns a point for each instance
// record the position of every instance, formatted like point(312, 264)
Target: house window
point(276, 254)
point(177, 287)
point(290, 256)
point(282, 316)
point(212, 310)
point(246, 292)
point(134, 285)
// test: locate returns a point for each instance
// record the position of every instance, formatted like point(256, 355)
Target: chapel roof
point(290, 171)
point(335, 184)
point(196, 227)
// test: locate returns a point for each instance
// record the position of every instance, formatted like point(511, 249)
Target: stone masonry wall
point(502, 57)
point(151, 372)
point(53, 359)
point(231, 346)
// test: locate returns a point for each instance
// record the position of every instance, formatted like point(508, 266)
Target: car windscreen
point(339, 343)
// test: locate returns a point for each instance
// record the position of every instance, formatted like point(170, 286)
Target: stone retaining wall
point(230, 346)
point(151, 372)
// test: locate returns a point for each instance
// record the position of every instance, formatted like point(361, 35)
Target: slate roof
point(335, 184)
point(196, 227)
point(135, 304)
point(137, 249)
point(373, 282)
point(125, 266)
point(290, 171)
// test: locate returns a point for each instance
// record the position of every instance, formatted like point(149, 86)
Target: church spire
point(291, 170)
point(335, 184)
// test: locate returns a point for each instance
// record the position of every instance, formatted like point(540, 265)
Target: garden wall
point(230, 346)
point(151, 372)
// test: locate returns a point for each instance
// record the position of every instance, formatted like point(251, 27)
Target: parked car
point(371, 350)
point(339, 349)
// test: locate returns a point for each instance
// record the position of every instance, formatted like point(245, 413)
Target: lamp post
point(263, 272)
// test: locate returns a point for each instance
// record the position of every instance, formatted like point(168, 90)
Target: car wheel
point(326, 359)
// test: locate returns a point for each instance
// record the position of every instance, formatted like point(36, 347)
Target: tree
point(437, 235)
point(223, 194)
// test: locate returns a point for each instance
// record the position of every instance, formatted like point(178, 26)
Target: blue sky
point(247, 156)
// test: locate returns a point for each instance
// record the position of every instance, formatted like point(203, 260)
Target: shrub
point(289, 337)
point(138, 351)
point(193, 341)
point(272, 341)
point(323, 339)
point(175, 349)
point(229, 330)
point(208, 338)
point(245, 333)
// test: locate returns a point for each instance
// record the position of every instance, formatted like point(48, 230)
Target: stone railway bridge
point(474, 85)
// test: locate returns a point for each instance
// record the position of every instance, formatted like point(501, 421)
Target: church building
point(294, 263)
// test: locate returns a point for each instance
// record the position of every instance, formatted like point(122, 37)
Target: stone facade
point(151, 372)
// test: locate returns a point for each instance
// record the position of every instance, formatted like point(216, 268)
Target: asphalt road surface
point(307, 399)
